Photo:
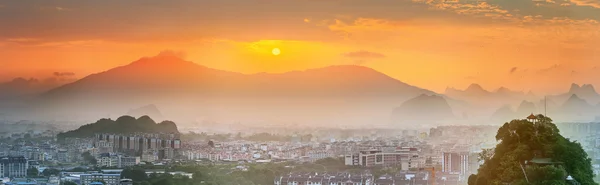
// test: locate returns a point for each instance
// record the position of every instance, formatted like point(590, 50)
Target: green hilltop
point(123, 125)
point(532, 151)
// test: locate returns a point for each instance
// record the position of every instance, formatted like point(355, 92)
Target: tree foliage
point(69, 183)
point(50, 171)
point(123, 125)
point(87, 157)
point(32, 172)
point(136, 174)
point(521, 141)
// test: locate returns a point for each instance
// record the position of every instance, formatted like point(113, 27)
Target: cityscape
point(443, 155)
point(299, 92)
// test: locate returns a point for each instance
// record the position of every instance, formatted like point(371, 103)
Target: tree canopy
point(523, 140)
point(123, 125)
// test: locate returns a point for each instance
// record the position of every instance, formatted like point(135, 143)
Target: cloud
point(306, 20)
point(549, 69)
point(178, 54)
point(364, 54)
point(513, 70)
point(55, 8)
point(590, 3)
point(21, 39)
point(472, 8)
point(64, 74)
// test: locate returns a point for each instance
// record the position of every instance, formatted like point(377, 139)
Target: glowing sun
point(276, 51)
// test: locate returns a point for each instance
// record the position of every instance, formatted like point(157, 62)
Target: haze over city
point(242, 92)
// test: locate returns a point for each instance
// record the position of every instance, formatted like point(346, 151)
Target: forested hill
point(524, 142)
point(123, 125)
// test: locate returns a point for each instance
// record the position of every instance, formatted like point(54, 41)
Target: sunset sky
point(539, 45)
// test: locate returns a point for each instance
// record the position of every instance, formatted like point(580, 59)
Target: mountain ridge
point(186, 89)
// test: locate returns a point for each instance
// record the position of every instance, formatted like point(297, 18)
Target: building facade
point(109, 179)
point(405, 157)
point(455, 162)
point(164, 145)
point(12, 167)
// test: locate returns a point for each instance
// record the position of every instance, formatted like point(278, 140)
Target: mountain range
point(334, 95)
point(476, 94)
point(188, 91)
point(423, 109)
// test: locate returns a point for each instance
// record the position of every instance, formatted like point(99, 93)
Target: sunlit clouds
point(428, 43)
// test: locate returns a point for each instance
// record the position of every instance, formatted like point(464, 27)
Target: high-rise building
point(139, 144)
point(455, 162)
point(11, 166)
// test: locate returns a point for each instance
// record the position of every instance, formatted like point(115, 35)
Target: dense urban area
point(44, 153)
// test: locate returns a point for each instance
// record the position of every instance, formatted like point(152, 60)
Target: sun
point(276, 51)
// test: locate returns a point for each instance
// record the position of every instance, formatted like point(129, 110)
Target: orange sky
point(521, 44)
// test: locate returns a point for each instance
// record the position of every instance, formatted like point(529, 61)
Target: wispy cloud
point(21, 39)
point(55, 8)
point(590, 3)
point(513, 70)
point(63, 74)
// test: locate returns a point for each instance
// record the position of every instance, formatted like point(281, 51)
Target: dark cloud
point(513, 70)
point(64, 74)
point(364, 54)
point(549, 69)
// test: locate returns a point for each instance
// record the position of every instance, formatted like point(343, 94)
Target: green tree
point(135, 173)
point(69, 183)
point(50, 171)
point(521, 141)
point(89, 158)
point(32, 172)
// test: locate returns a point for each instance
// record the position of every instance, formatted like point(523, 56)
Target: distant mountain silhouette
point(148, 110)
point(526, 108)
point(18, 93)
point(122, 125)
point(187, 90)
point(476, 93)
point(423, 109)
point(576, 109)
point(503, 91)
point(585, 91)
point(503, 114)
point(486, 103)
point(474, 90)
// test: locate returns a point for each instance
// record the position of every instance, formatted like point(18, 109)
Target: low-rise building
point(109, 179)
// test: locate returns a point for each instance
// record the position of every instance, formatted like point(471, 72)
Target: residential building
point(108, 160)
point(12, 166)
point(405, 157)
point(455, 162)
point(125, 161)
